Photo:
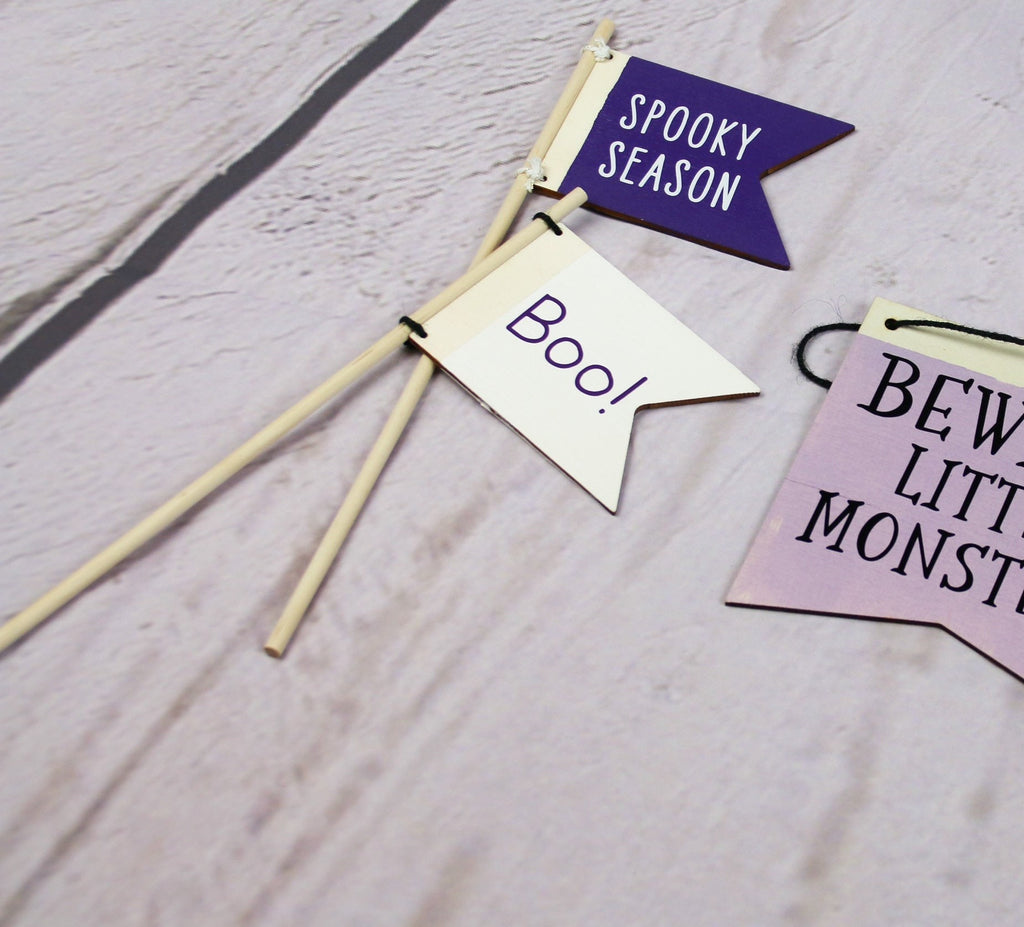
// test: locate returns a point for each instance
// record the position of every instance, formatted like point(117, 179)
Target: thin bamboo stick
point(339, 528)
point(520, 185)
point(23, 622)
point(357, 496)
point(355, 499)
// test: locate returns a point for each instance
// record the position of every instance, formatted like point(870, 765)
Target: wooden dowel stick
point(350, 509)
point(496, 258)
point(355, 500)
point(195, 492)
point(520, 185)
point(367, 477)
point(23, 622)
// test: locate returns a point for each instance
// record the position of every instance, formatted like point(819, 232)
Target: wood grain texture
point(89, 172)
point(506, 706)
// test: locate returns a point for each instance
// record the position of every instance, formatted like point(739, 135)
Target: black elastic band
point(551, 224)
point(893, 324)
point(413, 326)
point(801, 349)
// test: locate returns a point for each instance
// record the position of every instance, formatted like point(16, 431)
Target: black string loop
point(800, 352)
point(551, 224)
point(413, 326)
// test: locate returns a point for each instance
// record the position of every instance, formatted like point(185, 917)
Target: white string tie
point(533, 171)
point(600, 49)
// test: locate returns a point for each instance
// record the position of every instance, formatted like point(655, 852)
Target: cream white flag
point(565, 348)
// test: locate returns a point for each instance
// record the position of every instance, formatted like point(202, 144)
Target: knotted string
point(599, 48)
point(533, 172)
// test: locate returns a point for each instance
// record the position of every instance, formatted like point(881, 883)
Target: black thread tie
point(551, 224)
point(893, 324)
point(413, 326)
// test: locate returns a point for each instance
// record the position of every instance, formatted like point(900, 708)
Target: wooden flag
point(682, 154)
point(565, 349)
point(906, 500)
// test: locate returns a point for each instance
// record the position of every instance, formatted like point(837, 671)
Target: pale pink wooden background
point(507, 706)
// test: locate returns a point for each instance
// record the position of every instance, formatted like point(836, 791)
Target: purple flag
point(683, 154)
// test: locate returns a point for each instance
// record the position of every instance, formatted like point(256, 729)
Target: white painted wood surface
point(506, 706)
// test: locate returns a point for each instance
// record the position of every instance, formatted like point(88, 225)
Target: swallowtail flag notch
point(564, 348)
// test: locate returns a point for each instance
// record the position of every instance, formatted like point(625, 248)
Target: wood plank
point(506, 706)
point(115, 118)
